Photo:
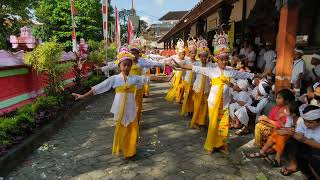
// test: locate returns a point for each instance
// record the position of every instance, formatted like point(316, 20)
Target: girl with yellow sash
point(219, 96)
point(123, 107)
point(201, 88)
point(187, 105)
point(176, 90)
point(138, 64)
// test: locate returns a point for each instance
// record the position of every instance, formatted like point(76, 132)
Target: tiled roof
point(173, 15)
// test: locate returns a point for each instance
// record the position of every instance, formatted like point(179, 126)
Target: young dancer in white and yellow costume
point(137, 69)
point(124, 106)
point(187, 105)
point(176, 90)
point(201, 87)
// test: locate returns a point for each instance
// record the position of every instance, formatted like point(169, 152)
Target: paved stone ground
point(167, 149)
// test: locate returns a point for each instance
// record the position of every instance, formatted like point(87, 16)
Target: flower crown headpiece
point(221, 43)
point(136, 44)
point(192, 43)
point(180, 46)
point(202, 45)
point(123, 56)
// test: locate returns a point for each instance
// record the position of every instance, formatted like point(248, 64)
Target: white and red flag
point(74, 37)
point(117, 26)
point(130, 31)
point(105, 18)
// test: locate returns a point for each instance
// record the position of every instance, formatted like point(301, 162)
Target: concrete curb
point(16, 155)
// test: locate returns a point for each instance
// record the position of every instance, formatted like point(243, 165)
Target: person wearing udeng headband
point(123, 107)
point(304, 145)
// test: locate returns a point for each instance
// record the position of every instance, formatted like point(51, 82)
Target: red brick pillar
point(286, 43)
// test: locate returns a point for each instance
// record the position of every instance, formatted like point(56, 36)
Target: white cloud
point(147, 19)
point(160, 2)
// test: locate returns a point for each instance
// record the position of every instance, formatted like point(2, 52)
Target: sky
point(152, 10)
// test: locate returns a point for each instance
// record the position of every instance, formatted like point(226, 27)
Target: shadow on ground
point(167, 149)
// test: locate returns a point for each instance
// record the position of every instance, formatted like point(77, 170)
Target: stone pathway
point(167, 149)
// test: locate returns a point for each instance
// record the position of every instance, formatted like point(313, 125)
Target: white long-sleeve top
point(188, 72)
point(178, 60)
point(299, 67)
point(198, 78)
point(269, 57)
point(259, 107)
point(130, 106)
point(243, 96)
point(215, 72)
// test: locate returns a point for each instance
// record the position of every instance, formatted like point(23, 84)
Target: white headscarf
point(311, 115)
point(243, 84)
point(261, 88)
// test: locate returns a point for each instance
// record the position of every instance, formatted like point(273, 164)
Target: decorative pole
point(105, 24)
point(74, 37)
point(286, 43)
point(117, 26)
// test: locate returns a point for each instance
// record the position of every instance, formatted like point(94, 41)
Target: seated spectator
point(252, 111)
point(240, 98)
point(316, 97)
point(276, 118)
point(303, 147)
point(276, 142)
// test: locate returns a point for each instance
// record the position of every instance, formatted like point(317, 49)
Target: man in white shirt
point(251, 57)
point(269, 57)
point(298, 71)
point(304, 145)
point(315, 72)
point(260, 59)
point(245, 49)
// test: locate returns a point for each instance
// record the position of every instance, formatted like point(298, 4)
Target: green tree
point(45, 60)
point(56, 18)
point(13, 15)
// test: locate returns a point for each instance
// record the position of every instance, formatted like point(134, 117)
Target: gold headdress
point(123, 56)
point(192, 43)
point(221, 44)
point(136, 44)
point(202, 45)
point(180, 46)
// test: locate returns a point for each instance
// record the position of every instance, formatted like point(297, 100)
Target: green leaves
point(56, 16)
point(45, 58)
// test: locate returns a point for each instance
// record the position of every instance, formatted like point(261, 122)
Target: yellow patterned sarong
point(218, 130)
point(146, 87)
point(137, 71)
point(187, 105)
point(176, 87)
point(200, 105)
point(125, 138)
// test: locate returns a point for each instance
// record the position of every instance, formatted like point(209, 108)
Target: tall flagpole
point(105, 24)
point(117, 28)
point(74, 37)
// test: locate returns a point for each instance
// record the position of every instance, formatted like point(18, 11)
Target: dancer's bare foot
point(224, 150)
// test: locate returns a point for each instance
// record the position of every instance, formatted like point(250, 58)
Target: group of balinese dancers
point(202, 82)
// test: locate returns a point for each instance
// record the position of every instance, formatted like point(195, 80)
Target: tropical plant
point(45, 60)
point(55, 16)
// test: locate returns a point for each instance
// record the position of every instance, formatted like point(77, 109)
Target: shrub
point(93, 80)
point(45, 58)
point(47, 102)
point(27, 109)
